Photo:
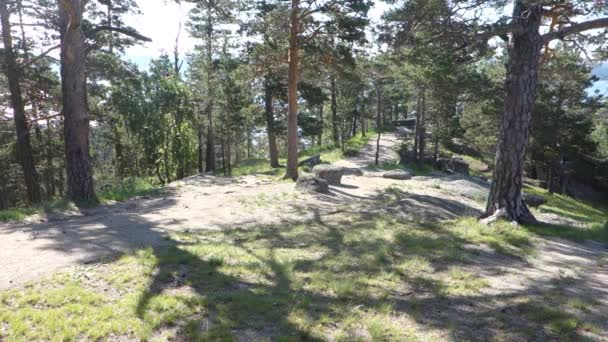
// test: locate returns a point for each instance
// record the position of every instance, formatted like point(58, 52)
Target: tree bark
point(292, 85)
point(73, 83)
point(334, 111)
point(272, 139)
point(24, 146)
point(210, 157)
point(522, 76)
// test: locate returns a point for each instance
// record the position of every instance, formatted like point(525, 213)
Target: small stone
point(397, 174)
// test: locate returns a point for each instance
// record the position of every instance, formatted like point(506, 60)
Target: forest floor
point(250, 258)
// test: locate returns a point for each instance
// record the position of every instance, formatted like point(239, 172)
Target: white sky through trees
point(160, 20)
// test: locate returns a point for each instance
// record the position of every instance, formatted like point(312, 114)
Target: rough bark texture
point(24, 146)
point(73, 82)
point(522, 76)
point(272, 139)
point(292, 87)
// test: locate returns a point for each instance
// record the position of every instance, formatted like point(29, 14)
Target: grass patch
point(48, 207)
point(329, 153)
point(128, 188)
point(594, 219)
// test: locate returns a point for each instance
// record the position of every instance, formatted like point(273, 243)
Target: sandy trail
point(31, 251)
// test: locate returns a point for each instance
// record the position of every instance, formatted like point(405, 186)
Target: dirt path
point(30, 251)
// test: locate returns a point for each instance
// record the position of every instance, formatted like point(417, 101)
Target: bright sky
point(160, 20)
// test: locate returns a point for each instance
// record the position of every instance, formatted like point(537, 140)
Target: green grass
point(329, 153)
point(124, 190)
point(48, 207)
point(299, 281)
point(128, 188)
point(594, 219)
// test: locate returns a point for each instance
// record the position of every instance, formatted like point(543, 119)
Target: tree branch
point(128, 32)
point(42, 55)
point(576, 28)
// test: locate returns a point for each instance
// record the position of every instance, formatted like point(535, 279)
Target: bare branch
point(576, 28)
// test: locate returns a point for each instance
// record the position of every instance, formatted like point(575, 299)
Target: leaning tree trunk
point(73, 83)
point(522, 75)
point(292, 87)
point(24, 146)
point(272, 139)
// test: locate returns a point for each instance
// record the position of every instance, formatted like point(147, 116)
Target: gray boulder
point(534, 200)
point(397, 174)
point(312, 184)
point(331, 174)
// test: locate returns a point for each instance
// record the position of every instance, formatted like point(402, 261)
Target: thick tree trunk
point(73, 83)
point(292, 87)
point(24, 147)
point(272, 139)
point(522, 75)
point(334, 111)
point(210, 157)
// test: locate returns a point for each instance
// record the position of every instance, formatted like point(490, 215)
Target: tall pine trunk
point(292, 87)
point(272, 139)
point(210, 157)
point(73, 84)
point(522, 75)
point(24, 146)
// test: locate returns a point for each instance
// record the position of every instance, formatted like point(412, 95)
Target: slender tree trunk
point(73, 82)
point(320, 136)
point(422, 129)
point(377, 160)
point(522, 75)
point(292, 87)
point(355, 115)
point(224, 170)
point(24, 147)
point(200, 150)
point(272, 139)
point(49, 172)
point(249, 143)
point(363, 121)
point(334, 111)
point(380, 106)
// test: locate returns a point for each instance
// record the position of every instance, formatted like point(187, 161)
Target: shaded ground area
point(250, 259)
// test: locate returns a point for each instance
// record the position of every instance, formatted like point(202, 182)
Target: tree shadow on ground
point(331, 276)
